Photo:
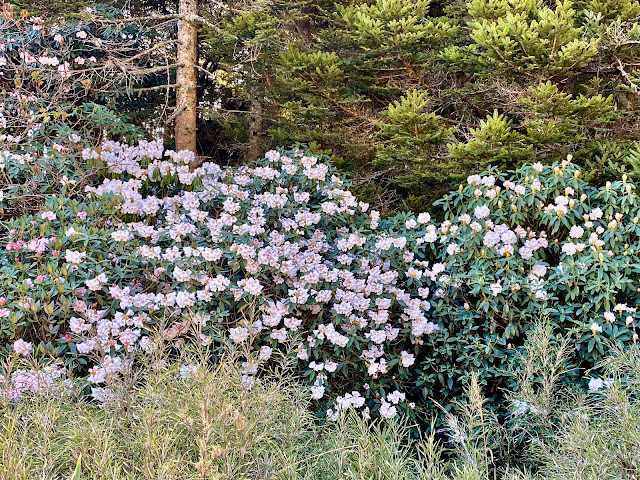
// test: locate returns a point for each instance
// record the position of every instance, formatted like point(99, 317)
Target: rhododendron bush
point(381, 314)
point(62, 82)
point(273, 239)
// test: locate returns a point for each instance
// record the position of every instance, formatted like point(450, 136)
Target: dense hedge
point(381, 314)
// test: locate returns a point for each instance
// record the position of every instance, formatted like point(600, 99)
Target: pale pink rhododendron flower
point(22, 348)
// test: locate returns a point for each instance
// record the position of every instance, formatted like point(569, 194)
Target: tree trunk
point(254, 150)
point(186, 94)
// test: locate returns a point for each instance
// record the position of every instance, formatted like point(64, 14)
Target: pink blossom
point(22, 348)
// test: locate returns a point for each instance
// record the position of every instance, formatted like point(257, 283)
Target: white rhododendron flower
point(74, 257)
point(22, 348)
point(481, 212)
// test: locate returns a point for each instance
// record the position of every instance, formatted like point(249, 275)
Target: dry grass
point(157, 425)
point(208, 426)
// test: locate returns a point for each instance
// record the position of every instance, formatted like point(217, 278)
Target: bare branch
point(155, 88)
point(627, 77)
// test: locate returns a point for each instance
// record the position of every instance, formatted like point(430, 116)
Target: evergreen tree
point(419, 94)
point(409, 95)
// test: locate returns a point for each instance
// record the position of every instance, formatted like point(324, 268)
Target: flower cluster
point(53, 75)
point(21, 381)
point(284, 239)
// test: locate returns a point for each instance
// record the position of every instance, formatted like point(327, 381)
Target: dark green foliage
point(485, 81)
point(416, 94)
point(52, 8)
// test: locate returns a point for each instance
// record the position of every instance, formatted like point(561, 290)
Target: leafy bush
point(266, 251)
point(554, 429)
point(540, 241)
point(384, 314)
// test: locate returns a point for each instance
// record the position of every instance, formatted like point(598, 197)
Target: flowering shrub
point(282, 240)
point(538, 241)
point(61, 82)
point(382, 313)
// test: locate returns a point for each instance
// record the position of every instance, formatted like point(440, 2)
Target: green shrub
point(416, 95)
point(540, 241)
point(600, 437)
point(554, 429)
point(386, 314)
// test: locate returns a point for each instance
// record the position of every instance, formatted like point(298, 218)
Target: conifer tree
point(419, 94)
point(412, 96)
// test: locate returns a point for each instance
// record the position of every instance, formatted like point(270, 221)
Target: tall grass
point(207, 426)
point(203, 422)
point(601, 438)
point(555, 430)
